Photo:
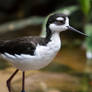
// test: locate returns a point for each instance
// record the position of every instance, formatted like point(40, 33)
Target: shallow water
point(70, 71)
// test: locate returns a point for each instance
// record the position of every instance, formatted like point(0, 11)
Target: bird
point(35, 52)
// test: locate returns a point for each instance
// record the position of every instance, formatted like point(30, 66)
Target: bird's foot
point(23, 91)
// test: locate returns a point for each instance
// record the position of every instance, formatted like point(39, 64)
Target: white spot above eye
point(59, 28)
point(59, 18)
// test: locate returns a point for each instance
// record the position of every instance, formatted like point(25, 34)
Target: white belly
point(28, 62)
point(43, 56)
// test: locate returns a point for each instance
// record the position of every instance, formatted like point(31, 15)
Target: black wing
point(26, 45)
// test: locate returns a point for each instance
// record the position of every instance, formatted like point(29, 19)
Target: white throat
point(55, 36)
point(55, 41)
point(59, 28)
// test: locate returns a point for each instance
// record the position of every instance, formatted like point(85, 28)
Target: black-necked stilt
point(33, 53)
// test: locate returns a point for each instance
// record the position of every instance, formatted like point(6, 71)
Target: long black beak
point(73, 29)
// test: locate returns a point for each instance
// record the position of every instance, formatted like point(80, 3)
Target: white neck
point(55, 41)
point(55, 36)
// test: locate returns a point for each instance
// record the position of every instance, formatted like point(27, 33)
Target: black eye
point(59, 22)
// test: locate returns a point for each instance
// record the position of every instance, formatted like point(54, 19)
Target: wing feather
point(26, 45)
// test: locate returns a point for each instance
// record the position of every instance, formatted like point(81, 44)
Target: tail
point(1, 45)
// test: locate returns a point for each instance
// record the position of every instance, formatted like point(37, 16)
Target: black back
point(26, 45)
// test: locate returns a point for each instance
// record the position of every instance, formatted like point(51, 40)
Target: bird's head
point(59, 23)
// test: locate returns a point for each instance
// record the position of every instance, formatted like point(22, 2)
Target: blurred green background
point(71, 70)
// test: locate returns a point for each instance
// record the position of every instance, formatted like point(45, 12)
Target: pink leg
point(23, 82)
point(9, 80)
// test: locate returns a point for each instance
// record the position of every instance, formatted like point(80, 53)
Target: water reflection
point(87, 83)
point(70, 71)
